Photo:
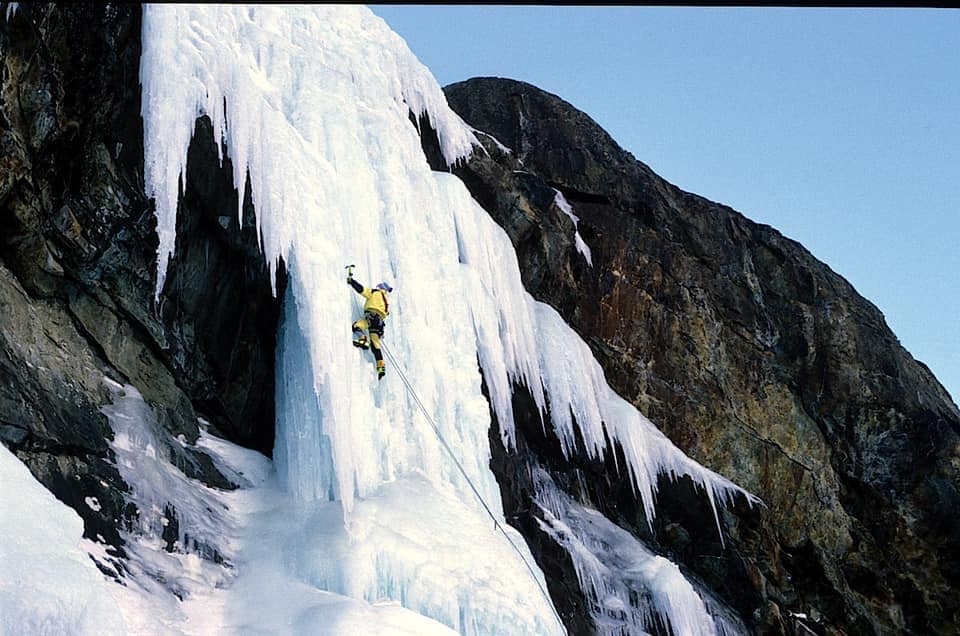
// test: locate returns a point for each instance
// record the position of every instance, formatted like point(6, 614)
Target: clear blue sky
point(838, 127)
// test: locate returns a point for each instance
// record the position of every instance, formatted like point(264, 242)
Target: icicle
point(312, 103)
point(627, 584)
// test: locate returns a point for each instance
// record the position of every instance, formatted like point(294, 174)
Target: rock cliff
point(78, 269)
point(752, 356)
point(755, 358)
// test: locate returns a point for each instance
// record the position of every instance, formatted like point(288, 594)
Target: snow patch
point(48, 584)
point(567, 209)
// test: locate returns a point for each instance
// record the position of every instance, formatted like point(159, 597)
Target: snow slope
point(48, 584)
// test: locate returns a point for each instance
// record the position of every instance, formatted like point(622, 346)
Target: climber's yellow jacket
point(376, 299)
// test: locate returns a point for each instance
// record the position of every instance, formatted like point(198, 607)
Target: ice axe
point(349, 269)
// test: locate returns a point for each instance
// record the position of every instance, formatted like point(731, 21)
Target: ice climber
point(375, 311)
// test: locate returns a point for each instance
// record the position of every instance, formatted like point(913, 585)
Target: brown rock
point(755, 358)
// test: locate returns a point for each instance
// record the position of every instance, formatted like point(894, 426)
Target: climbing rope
point(456, 462)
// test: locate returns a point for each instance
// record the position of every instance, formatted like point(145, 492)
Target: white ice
point(613, 567)
point(50, 585)
point(313, 103)
point(273, 543)
point(380, 512)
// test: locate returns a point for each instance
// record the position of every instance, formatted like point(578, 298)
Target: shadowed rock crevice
point(217, 300)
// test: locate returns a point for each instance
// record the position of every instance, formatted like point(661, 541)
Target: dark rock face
point(78, 271)
point(218, 303)
point(754, 358)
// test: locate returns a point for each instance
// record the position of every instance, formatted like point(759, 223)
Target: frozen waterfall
point(366, 517)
